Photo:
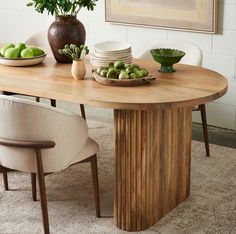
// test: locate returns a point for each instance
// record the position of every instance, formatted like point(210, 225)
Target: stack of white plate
point(110, 51)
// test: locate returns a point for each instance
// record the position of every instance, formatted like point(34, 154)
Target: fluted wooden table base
point(152, 165)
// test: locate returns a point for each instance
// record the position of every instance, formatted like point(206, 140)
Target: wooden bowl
point(123, 83)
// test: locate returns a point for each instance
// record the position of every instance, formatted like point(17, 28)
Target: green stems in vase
point(74, 52)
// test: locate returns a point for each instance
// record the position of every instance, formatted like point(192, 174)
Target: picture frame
point(191, 15)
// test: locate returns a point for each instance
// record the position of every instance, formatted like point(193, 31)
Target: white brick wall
point(17, 22)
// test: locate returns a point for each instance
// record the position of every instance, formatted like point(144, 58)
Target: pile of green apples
point(20, 50)
point(122, 71)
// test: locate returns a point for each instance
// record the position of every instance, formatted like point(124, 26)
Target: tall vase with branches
point(66, 29)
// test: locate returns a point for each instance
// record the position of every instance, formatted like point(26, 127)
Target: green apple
point(4, 48)
point(119, 65)
point(99, 70)
point(20, 46)
point(27, 53)
point(123, 75)
point(12, 53)
point(37, 51)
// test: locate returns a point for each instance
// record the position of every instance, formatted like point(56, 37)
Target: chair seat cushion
point(90, 149)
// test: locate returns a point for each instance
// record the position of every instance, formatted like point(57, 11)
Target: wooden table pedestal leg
point(152, 165)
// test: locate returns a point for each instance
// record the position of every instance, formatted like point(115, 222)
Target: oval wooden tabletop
point(188, 86)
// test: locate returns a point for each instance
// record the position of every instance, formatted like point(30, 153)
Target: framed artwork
point(190, 15)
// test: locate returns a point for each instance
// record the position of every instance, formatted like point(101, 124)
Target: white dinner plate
point(105, 63)
point(112, 46)
point(113, 56)
point(98, 64)
point(108, 59)
point(99, 53)
point(111, 52)
point(21, 62)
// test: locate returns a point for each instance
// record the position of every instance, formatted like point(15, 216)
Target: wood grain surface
point(188, 86)
point(152, 165)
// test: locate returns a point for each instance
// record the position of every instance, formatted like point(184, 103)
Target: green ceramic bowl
point(167, 58)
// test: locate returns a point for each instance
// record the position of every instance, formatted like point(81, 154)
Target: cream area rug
point(211, 207)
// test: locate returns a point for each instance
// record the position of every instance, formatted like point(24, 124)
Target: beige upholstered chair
point(40, 139)
point(193, 56)
point(40, 39)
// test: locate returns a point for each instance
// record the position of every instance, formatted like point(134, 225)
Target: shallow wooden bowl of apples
point(20, 55)
point(124, 75)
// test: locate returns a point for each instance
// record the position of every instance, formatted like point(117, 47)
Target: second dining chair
point(40, 39)
point(193, 56)
point(40, 140)
point(37, 40)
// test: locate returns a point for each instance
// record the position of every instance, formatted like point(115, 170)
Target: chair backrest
point(27, 120)
point(38, 39)
point(193, 54)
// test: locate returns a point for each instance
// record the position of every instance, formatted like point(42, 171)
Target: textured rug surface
point(211, 207)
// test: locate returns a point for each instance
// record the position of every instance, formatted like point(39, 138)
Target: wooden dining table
point(152, 129)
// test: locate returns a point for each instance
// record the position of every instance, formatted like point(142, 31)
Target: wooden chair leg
point(33, 175)
point(34, 186)
point(5, 180)
point(42, 191)
point(205, 130)
point(95, 184)
point(82, 111)
point(53, 102)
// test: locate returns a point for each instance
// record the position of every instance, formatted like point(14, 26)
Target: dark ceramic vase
point(65, 30)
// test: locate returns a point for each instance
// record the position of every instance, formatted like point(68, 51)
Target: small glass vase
point(78, 69)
